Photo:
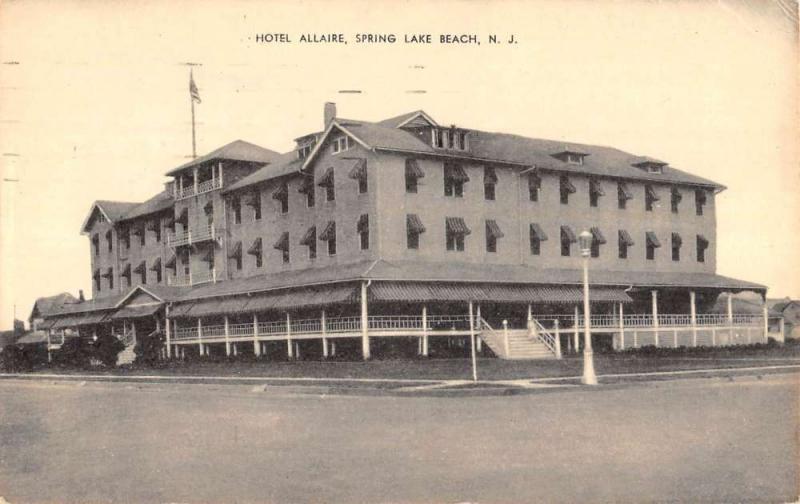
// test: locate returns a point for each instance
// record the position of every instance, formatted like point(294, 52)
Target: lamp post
point(589, 377)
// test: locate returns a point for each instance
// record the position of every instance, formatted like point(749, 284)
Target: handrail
point(546, 337)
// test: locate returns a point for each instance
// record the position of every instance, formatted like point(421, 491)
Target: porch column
point(133, 331)
point(693, 312)
point(200, 335)
point(654, 295)
point(227, 338)
point(530, 315)
point(575, 332)
point(256, 346)
point(364, 323)
point(730, 308)
point(169, 335)
point(196, 180)
point(621, 328)
point(424, 331)
point(49, 356)
point(324, 336)
point(219, 172)
point(478, 325)
point(766, 318)
point(289, 349)
point(472, 344)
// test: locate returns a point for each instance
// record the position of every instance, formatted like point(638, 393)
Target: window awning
point(623, 192)
point(183, 217)
point(359, 170)
point(362, 226)
point(595, 187)
point(140, 268)
point(652, 239)
point(138, 230)
point(329, 233)
point(153, 225)
point(457, 225)
point(310, 237)
point(489, 175)
point(420, 292)
point(534, 180)
point(283, 241)
point(126, 271)
point(306, 185)
point(677, 241)
point(236, 251)
point(492, 229)
point(252, 199)
point(208, 255)
point(281, 192)
point(413, 170)
point(414, 223)
point(568, 235)
point(651, 192)
point(217, 306)
point(156, 265)
point(96, 274)
point(625, 238)
point(537, 232)
point(208, 208)
point(597, 235)
point(180, 310)
point(109, 273)
point(169, 222)
point(255, 248)
point(456, 173)
point(171, 262)
point(700, 196)
point(131, 312)
point(677, 196)
point(566, 184)
point(327, 178)
point(702, 240)
point(320, 296)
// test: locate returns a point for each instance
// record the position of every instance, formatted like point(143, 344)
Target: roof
point(45, 305)
point(741, 306)
point(160, 202)
point(112, 210)
point(238, 150)
point(32, 338)
point(285, 164)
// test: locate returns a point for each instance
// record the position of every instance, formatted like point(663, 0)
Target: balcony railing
point(193, 278)
point(192, 235)
point(645, 320)
point(202, 187)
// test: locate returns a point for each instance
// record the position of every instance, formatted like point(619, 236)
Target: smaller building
point(789, 309)
point(45, 306)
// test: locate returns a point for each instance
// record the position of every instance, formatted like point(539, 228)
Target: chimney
point(81, 298)
point(330, 113)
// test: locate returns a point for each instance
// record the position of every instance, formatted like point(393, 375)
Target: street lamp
point(589, 378)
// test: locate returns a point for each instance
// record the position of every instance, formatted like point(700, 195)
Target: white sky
point(94, 103)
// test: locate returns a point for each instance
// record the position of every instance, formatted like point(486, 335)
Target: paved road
point(688, 440)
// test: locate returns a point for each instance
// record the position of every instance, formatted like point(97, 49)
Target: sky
point(94, 102)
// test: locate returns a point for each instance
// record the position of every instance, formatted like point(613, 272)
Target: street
point(693, 440)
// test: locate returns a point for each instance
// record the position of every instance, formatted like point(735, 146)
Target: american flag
point(195, 94)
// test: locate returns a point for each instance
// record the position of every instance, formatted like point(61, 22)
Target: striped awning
point(702, 240)
point(489, 175)
point(568, 235)
point(492, 229)
point(677, 241)
point(306, 185)
point(414, 223)
point(623, 192)
point(281, 192)
point(236, 251)
point(595, 187)
point(303, 298)
point(329, 233)
point(156, 265)
point(457, 225)
point(126, 271)
point(310, 237)
point(652, 239)
point(455, 173)
point(359, 170)
point(283, 241)
point(130, 312)
point(497, 293)
point(413, 170)
point(651, 192)
point(362, 225)
point(217, 306)
point(597, 235)
point(255, 248)
point(140, 268)
point(625, 238)
point(327, 178)
point(566, 184)
point(171, 262)
point(537, 232)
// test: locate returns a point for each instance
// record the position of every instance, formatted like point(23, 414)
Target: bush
point(75, 353)
point(13, 360)
point(148, 348)
point(106, 348)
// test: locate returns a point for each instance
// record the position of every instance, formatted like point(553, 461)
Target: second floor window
point(702, 245)
point(253, 200)
point(412, 175)
point(255, 250)
point(595, 191)
point(110, 240)
point(675, 199)
point(236, 255)
point(489, 183)
point(597, 240)
point(534, 186)
point(567, 239)
point(454, 179)
point(236, 210)
point(493, 233)
point(537, 236)
point(650, 197)
point(283, 246)
point(651, 243)
point(623, 195)
point(359, 174)
point(307, 187)
point(455, 232)
point(676, 246)
point(625, 242)
point(281, 195)
point(414, 228)
point(362, 228)
point(329, 236)
point(96, 279)
point(327, 183)
point(700, 199)
point(566, 188)
point(96, 244)
point(310, 241)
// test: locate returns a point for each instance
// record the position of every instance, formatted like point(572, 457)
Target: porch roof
point(421, 292)
point(129, 312)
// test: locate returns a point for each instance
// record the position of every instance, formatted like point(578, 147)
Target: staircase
point(127, 355)
point(521, 343)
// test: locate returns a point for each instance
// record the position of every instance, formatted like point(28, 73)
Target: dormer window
point(341, 144)
point(650, 165)
point(449, 138)
point(304, 151)
point(571, 157)
point(575, 159)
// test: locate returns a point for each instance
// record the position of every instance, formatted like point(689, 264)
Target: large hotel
point(402, 236)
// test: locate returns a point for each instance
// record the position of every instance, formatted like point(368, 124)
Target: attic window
point(574, 158)
point(341, 144)
point(304, 151)
point(449, 138)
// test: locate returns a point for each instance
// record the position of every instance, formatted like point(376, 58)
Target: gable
point(334, 131)
point(96, 215)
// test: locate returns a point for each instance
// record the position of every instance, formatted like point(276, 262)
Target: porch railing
point(192, 235)
point(203, 187)
point(194, 278)
point(645, 320)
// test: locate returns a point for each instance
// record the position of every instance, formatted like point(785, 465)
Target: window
point(454, 179)
point(413, 174)
point(462, 140)
point(110, 276)
point(341, 144)
point(650, 197)
point(597, 240)
point(125, 238)
point(285, 256)
point(236, 255)
point(534, 186)
point(329, 236)
point(141, 270)
point(281, 195)
point(623, 195)
point(573, 158)
point(595, 191)
point(438, 138)
point(327, 182)
point(451, 138)
point(283, 246)
point(255, 250)
point(566, 188)
point(537, 236)
point(155, 226)
point(236, 209)
point(96, 278)
point(359, 173)
point(307, 187)
point(699, 200)
point(493, 233)
point(675, 199)
point(489, 182)
point(304, 151)
point(254, 201)
point(96, 244)
point(652, 244)
point(185, 262)
point(156, 268)
point(702, 245)
point(362, 228)
point(110, 240)
point(310, 240)
point(567, 239)
point(414, 228)
point(625, 242)
point(456, 230)
point(676, 246)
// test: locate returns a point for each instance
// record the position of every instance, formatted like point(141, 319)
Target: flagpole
point(191, 100)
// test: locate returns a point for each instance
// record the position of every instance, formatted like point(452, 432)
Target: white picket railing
point(194, 278)
point(646, 320)
point(547, 338)
point(202, 187)
point(192, 235)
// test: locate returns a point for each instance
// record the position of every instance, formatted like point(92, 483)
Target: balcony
point(203, 187)
point(192, 236)
point(193, 278)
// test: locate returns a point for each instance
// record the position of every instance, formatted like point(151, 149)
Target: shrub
point(148, 348)
point(13, 359)
point(106, 348)
point(75, 352)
